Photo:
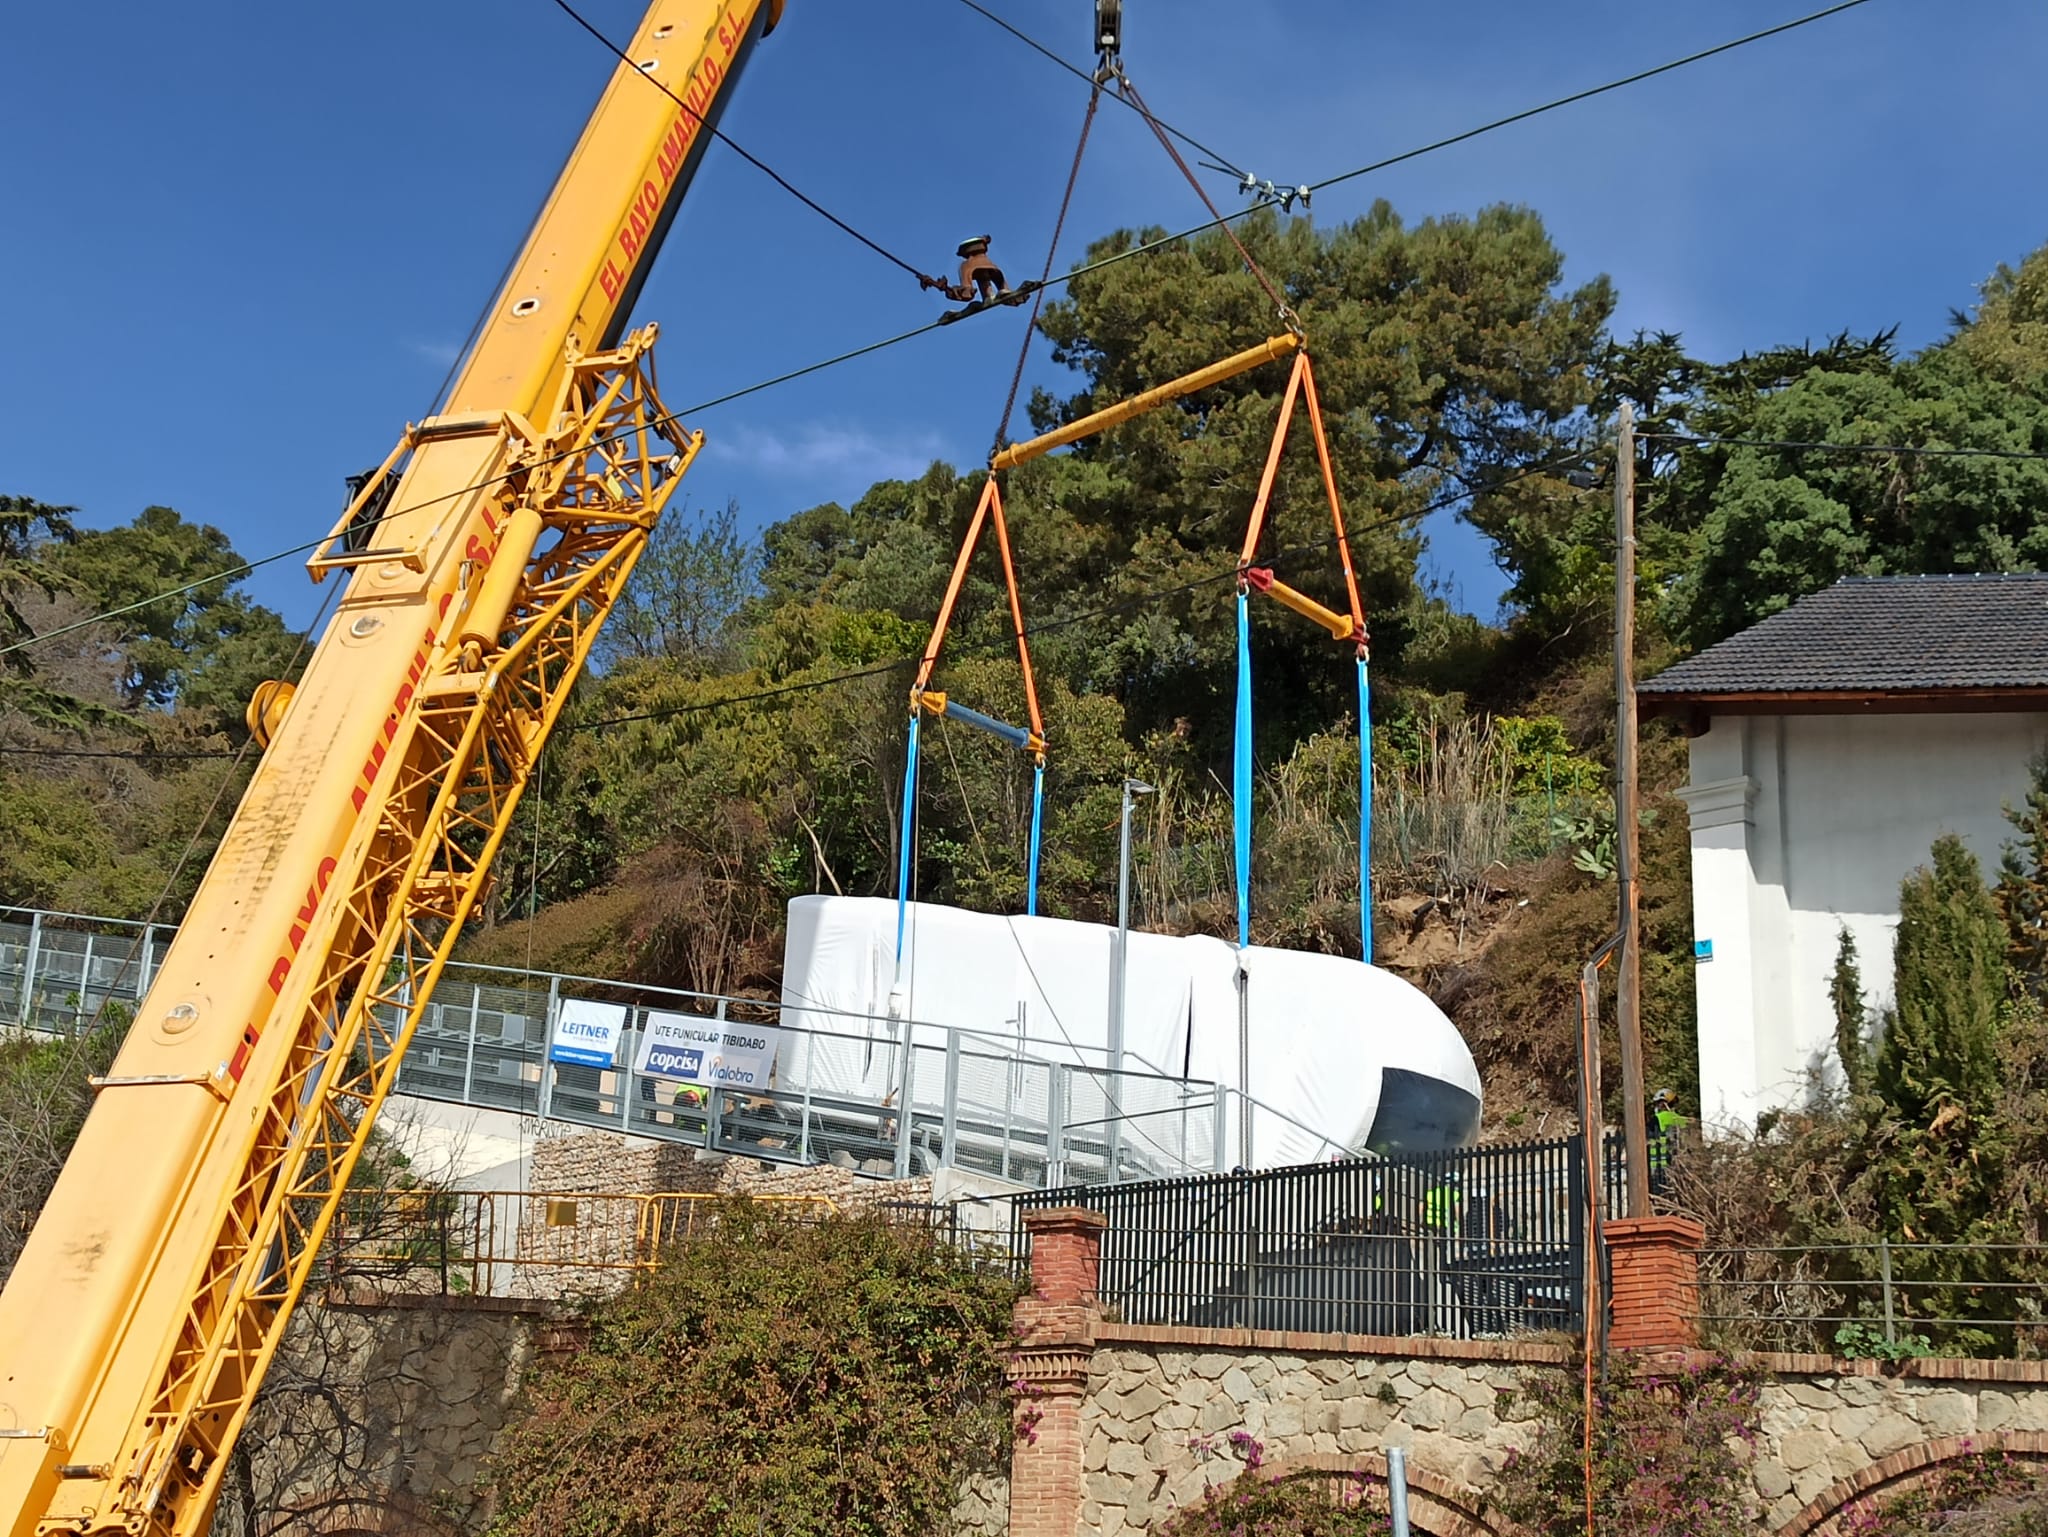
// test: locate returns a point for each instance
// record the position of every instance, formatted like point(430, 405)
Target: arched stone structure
point(1437, 1506)
point(1904, 1469)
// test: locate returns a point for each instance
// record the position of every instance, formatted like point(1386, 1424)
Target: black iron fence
point(1473, 1244)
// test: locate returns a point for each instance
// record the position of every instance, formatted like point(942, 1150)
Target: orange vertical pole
point(1315, 421)
point(931, 650)
point(1016, 610)
point(1251, 534)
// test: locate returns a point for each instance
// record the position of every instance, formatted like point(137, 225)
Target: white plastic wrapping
point(1343, 1056)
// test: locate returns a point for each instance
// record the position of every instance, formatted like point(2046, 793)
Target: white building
point(1831, 744)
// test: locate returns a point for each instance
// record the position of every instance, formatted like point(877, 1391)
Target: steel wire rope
point(1223, 161)
point(185, 854)
point(1045, 277)
point(1086, 269)
point(1286, 310)
point(1590, 92)
point(751, 159)
point(1691, 440)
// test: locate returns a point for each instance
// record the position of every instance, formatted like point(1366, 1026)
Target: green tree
point(687, 592)
point(1940, 1047)
point(1845, 995)
point(1448, 354)
point(2023, 883)
point(189, 638)
point(27, 528)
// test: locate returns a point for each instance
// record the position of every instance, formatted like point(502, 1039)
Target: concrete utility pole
point(1628, 987)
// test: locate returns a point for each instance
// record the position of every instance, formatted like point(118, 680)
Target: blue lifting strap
point(1037, 825)
point(1365, 810)
point(1016, 736)
point(903, 850)
point(1241, 771)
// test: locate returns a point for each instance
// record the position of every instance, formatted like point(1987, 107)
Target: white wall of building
point(1802, 824)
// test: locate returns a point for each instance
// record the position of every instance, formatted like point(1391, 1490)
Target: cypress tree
point(2023, 883)
point(1949, 971)
point(1845, 991)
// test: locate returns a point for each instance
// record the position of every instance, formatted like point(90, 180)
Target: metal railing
point(1876, 1299)
point(520, 1244)
point(1481, 1243)
point(1004, 1106)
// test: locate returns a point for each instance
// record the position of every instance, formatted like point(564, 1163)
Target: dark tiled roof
point(1882, 634)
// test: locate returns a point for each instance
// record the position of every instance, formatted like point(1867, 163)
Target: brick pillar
point(1055, 1327)
point(1654, 1301)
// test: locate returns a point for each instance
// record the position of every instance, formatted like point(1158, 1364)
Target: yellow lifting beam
point(1340, 626)
point(1269, 351)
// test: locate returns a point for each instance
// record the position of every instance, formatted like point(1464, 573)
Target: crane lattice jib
point(153, 1291)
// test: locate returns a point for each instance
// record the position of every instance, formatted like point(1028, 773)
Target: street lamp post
point(1119, 981)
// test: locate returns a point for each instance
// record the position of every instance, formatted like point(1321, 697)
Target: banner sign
point(689, 1048)
point(587, 1033)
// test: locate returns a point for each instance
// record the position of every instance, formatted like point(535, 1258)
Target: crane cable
point(1045, 277)
point(1286, 310)
point(1140, 248)
point(1223, 161)
point(753, 160)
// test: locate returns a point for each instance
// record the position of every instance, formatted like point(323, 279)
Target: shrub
point(1670, 1452)
point(1305, 1505)
point(798, 1377)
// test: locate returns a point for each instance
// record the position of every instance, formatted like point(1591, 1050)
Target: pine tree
point(2023, 883)
point(1845, 991)
point(1949, 968)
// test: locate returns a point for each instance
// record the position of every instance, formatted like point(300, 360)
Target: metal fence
point(1876, 1299)
point(1475, 1244)
point(1004, 1106)
point(525, 1244)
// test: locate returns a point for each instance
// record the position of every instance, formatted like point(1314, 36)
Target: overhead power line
point(753, 160)
point(1692, 440)
point(1140, 249)
point(1221, 159)
point(129, 754)
point(1588, 94)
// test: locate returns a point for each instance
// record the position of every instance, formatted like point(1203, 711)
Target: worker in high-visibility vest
point(1660, 1137)
point(1443, 1208)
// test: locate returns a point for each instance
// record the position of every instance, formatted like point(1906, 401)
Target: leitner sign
point(689, 1048)
point(587, 1033)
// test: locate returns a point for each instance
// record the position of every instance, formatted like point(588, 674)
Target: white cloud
point(817, 451)
point(440, 354)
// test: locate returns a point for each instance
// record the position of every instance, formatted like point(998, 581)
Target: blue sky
point(244, 240)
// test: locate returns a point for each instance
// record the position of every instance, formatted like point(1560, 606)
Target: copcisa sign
point(688, 1048)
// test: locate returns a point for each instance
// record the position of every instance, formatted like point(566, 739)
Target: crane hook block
point(1109, 28)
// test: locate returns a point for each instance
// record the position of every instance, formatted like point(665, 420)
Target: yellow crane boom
point(151, 1295)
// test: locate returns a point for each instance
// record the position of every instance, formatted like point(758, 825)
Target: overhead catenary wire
point(1223, 161)
point(1589, 93)
point(1919, 451)
point(753, 160)
point(1051, 254)
point(1086, 269)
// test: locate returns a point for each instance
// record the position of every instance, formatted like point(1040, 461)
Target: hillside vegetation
point(743, 739)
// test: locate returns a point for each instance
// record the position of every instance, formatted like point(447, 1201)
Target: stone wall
point(1170, 1414)
point(601, 1162)
point(1842, 1426)
point(384, 1407)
